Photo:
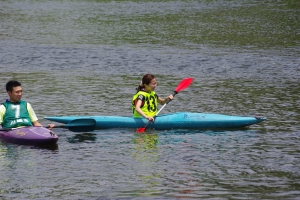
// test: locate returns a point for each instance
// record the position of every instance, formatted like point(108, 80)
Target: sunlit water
point(87, 58)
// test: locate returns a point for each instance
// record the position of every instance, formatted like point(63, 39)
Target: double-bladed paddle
point(76, 125)
point(181, 86)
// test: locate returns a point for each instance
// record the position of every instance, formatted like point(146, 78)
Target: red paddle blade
point(184, 84)
point(140, 130)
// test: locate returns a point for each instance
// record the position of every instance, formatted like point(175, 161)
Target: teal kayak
point(179, 120)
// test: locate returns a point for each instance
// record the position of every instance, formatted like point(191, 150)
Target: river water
point(87, 58)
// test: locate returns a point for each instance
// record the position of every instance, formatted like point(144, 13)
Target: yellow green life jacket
point(149, 103)
point(16, 115)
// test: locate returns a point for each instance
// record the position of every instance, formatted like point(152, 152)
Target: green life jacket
point(16, 115)
point(149, 105)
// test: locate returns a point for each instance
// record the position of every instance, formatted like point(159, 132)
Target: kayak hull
point(180, 120)
point(31, 135)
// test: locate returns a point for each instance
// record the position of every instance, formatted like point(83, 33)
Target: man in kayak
point(145, 101)
point(16, 112)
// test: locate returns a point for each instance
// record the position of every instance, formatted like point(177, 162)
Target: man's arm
point(2, 112)
point(32, 116)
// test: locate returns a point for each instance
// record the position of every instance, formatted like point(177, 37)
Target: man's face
point(16, 94)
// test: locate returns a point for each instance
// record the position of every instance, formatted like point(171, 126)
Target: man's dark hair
point(11, 84)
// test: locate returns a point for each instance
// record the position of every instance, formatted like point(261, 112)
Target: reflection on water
point(84, 137)
point(146, 147)
point(146, 153)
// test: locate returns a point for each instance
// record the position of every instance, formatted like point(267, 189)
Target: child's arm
point(138, 110)
point(163, 101)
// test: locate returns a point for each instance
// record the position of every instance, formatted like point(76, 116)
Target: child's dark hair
point(11, 84)
point(146, 80)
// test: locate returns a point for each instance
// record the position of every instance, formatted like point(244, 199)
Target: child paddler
point(15, 112)
point(145, 101)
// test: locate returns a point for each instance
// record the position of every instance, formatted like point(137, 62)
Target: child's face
point(152, 85)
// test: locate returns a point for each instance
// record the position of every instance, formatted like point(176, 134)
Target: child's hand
point(170, 97)
point(150, 118)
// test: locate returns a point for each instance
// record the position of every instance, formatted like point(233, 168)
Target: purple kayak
point(30, 135)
